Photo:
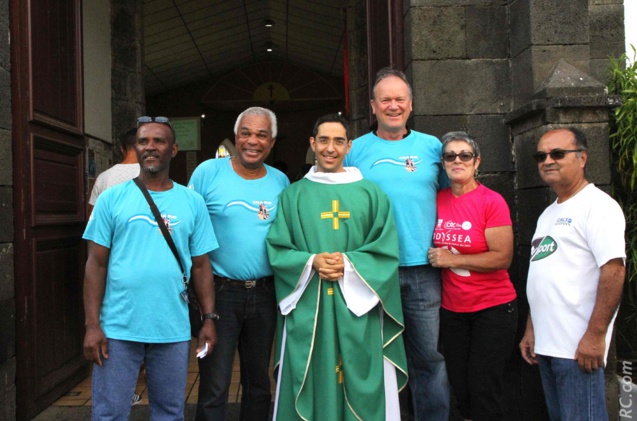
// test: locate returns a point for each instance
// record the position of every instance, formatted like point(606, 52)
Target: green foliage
point(623, 138)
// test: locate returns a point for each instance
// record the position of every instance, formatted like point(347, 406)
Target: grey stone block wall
point(539, 22)
point(7, 282)
point(5, 59)
point(582, 32)
point(424, 30)
point(7, 389)
point(457, 58)
point(7, 327)
point(6, 161)
point(473, 62)
point(489, 130)
point(606, 30)
point(530, 204)
point(492, 135)
point(563, 23)
point(607, 35)
point(502, 183)
point(456, 3)
point(489, 68)
point(128, 99)
point(438, 125)
point(532, 66)
point(358, 79)
point(597, 168)
point(448, 87)
point(6, 214)
point(5, 98)
point(434, 33)
point(487, 28)
point(524, 146)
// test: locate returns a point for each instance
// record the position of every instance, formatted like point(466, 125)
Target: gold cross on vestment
point(339, 369)
point(335, 214)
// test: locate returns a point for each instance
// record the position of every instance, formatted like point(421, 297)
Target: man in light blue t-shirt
point(241, 194)
point(406, 165)
point(133, 284)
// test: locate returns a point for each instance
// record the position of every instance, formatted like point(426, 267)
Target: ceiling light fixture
point(268, 47)
point(269, 23)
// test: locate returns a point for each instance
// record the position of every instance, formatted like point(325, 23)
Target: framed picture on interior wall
point(188, 131)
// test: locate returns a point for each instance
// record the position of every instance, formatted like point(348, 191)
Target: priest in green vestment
point(334, 251)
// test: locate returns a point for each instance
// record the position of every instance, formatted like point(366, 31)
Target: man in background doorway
point(118, 173)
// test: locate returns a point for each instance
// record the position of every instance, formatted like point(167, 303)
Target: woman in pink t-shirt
point(473, 242)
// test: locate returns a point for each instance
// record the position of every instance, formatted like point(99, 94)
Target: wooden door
point(49, 209)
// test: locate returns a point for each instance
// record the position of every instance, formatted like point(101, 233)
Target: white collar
point(350, 175)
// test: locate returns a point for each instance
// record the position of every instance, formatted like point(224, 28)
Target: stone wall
point(457, 57)
point(7, 296)
point(506, 71)
point(472, 62)
point(357, 58)
point(606, 28)
point(128, 100)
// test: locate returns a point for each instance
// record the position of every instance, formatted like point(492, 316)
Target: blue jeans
point(476, 346)
point(420, 290)
point(571, 394)
point(114, 382)
point(247, 318)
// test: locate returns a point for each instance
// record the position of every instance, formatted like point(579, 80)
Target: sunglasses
point(464, 156)
point(556, 154)
point(146, 119)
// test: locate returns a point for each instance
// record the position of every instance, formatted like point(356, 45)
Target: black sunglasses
point(146, 119)
point(464, 156)
point(556, 154)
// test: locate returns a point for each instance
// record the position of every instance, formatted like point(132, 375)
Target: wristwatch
point(211, 316)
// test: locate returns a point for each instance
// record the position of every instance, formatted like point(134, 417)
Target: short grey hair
point(386, 72)
point(257, 111)
point(462, 137)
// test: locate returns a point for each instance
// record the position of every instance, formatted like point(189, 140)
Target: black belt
point(250, 283)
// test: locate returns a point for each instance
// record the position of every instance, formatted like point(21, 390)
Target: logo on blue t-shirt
point(260, 207)
point(169, 220)
point(407, 162)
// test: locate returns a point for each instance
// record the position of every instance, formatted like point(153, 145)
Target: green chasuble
point(331, 362)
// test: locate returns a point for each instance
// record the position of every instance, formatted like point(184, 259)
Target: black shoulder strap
point(160, 221)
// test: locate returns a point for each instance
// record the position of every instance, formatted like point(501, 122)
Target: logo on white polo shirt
point(564, 221)
point(542, 247)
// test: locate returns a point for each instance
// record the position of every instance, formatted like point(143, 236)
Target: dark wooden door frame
point(385, 39)
point(47, 234)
